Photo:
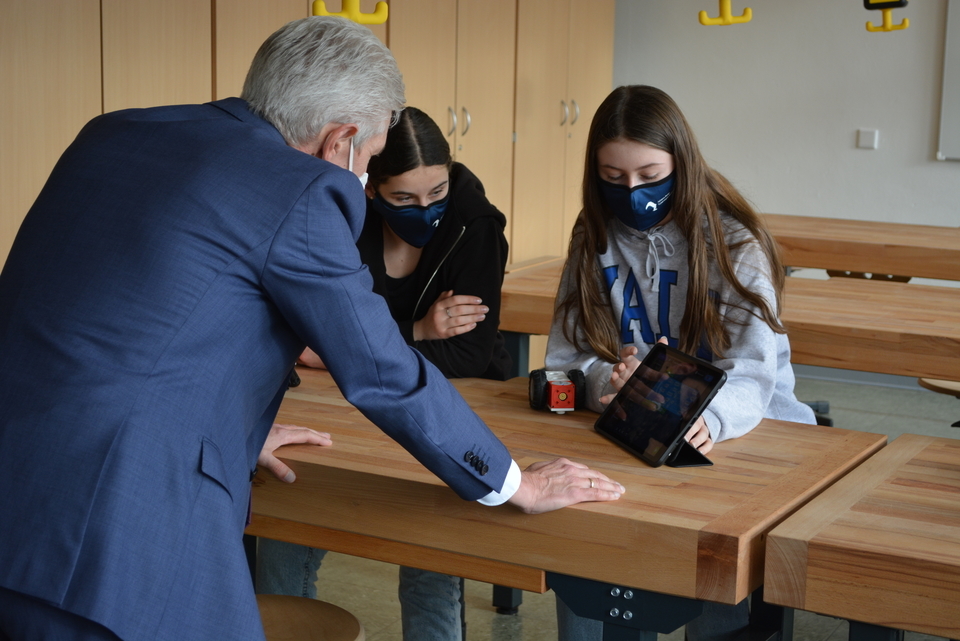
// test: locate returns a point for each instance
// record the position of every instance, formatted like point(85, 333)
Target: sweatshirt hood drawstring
point(653, 258)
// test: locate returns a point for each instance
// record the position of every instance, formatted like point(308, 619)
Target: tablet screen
point(660, 402)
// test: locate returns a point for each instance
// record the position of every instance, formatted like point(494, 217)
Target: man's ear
point(337, 143)
point(370, 191)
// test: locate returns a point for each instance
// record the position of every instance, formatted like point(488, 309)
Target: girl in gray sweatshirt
point(666, 249)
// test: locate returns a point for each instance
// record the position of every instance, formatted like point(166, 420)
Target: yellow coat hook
point(886, 7)
point(725, 15)
point(350, 9)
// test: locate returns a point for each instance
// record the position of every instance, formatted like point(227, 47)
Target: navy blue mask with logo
point(641, 207)
point(414, 224)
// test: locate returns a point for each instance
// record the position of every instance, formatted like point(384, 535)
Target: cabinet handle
point(453, 119)
point(576, 111)
point(466, 121)
point(566, 112)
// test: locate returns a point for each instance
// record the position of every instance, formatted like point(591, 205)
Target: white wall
point(776, 103)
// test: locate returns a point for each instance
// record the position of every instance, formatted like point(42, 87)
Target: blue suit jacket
point(156, 296)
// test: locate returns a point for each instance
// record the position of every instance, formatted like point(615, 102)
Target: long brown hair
point(649, 116)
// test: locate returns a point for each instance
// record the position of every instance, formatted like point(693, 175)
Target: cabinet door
point(423, 39)
point(50, 70)
point(542, 113)
point(589, 81)
point(241, 27)
point(486, 41)
point(156, 53)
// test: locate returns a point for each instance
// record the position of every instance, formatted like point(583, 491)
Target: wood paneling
point(50, 74)
point(486, 45)
point(428, 63)
point(541, 120)
point(156, 53)
point(241, 27)
point(564, 71)
point(589, 81)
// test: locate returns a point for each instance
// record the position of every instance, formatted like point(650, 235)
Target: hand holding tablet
point(659, 404)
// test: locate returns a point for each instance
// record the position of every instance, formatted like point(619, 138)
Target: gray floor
point(368, 588)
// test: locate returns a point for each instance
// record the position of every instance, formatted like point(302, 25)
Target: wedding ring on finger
point(592, 484)
point(447, 310)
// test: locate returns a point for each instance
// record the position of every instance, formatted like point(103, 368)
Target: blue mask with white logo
point(414, 224)
point(642, 207)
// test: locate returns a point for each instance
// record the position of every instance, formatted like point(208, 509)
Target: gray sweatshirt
point(646, 276)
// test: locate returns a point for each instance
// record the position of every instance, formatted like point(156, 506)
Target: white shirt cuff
point(510, 486)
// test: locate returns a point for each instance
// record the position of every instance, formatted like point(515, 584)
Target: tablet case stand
point(687, 455)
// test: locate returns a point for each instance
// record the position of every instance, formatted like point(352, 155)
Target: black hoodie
point(467, 254)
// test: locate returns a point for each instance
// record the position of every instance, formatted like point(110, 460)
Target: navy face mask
point(414, 224)
point(642, 207)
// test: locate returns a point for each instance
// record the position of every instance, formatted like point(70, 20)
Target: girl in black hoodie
point(436, 250)
point(435, 247)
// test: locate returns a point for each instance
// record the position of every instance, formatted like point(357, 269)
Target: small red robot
point(559, 392)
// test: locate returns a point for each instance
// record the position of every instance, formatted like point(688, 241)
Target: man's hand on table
point(287, 435)
point(550, 485)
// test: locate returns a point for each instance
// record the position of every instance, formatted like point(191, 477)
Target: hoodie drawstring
point(653, 258)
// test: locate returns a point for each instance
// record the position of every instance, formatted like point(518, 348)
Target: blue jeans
point(719, 622)
point(429, 602)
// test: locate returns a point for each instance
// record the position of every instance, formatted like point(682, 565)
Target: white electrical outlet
point(868, 138)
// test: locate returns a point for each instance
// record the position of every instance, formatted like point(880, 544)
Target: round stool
point(294, 618)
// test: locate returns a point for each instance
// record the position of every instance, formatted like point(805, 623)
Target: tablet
point(658, 404)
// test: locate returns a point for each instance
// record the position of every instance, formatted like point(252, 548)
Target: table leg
point(507, 600)
point(869, 632)
point(627, 614)
point(639, 615)
point(250, 549)
point(768, 620)
point(518, 346)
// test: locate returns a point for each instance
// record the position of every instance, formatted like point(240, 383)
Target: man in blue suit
point(158, 292)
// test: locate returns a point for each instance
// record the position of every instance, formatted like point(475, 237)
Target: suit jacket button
point(484, 469)
point(468, 457)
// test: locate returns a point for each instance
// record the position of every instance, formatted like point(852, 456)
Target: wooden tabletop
point(867, 246)
point(890, 328)
point(882, 546)
point(691, 532)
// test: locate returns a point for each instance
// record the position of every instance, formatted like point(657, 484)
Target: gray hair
point(321, 70)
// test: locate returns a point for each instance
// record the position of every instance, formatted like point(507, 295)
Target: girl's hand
point(450, 316)
point(310, 359)
point(699, 436)
point(623, 370)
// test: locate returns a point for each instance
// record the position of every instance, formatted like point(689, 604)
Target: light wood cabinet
point(486, 71)
point(156, 53)
point(564, 70)
point(241, 26)
point(50, 76)
point(457, 60)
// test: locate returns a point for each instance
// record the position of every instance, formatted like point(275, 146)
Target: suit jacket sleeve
point(314, 275)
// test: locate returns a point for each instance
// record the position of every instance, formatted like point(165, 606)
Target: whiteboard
point(950, 108)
